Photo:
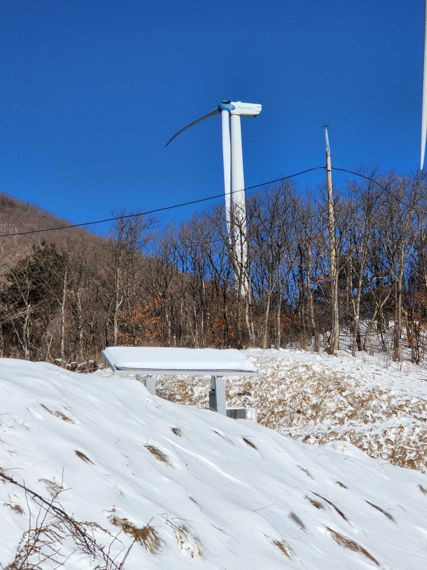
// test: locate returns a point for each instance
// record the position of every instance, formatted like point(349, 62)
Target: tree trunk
point(397, 329)
point(63, 303)
point(267, 317)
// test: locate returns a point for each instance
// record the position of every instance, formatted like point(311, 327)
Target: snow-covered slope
point(369, 401)
point(216, 493)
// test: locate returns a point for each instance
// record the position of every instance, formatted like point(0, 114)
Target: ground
point(369, 401)
point(185, 487)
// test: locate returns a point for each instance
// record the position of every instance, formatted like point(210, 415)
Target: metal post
point(150, 384)
point(217, 401)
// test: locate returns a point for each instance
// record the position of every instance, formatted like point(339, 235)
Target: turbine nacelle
point(233, 107)
point(240, 108)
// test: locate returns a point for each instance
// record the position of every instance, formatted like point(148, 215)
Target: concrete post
point(149, 383)
point(217, 400)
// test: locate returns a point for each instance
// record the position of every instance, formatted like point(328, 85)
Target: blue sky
point(91, 90)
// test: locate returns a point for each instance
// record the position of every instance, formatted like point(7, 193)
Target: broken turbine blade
point(199, 120)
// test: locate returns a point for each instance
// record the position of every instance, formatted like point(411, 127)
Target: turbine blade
point(424, 104)
point(199, 120)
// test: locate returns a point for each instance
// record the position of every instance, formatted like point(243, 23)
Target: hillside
point(18, 216)
point(194, 489)
point(61, 292)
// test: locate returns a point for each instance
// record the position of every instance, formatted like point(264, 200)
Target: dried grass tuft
point(159, 455)
point(196, 502)
point(53, 488)
point(351, 545)
point(15, 508)
point(177, 431)
point(333, 505)
point(249, 442)
point(147, 536)
point(284, 548)
point(83, 456)
point(186, 540)
point(423, 489)
point(218, 433)
point(315, 503)
point(221, 435)
point(388, 515)
point(306, 471)
point(58, 414)
point(297, 520)
point(341, 485)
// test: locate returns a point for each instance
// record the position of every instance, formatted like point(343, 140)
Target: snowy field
point(188, 488)
point(369, 401)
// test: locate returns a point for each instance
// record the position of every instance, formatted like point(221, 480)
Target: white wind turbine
point(234, 180)
point(424, 106)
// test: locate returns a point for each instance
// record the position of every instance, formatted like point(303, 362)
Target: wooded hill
point(17, 216)
point(69, 296)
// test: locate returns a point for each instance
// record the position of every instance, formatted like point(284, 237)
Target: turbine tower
point(234, 180)
point(424, 104)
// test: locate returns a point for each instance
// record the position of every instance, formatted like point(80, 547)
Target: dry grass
point(15, 508)
point(284, 548)
point(159, 455)
point(315, 503)
point(192, 499)
point(385, 513)
point(297, 520)
point(351, 545)
point(218, 433)
point(51, 531)
point(186, 540)
point(336, 509)
point(249, 442)
point(53, 488)
point(317, 404)
point(341, 485)
point(306, 471)
point(423, 489)
point(177, 431)
point(147, 536)
point(83, 456)
point(58, 414)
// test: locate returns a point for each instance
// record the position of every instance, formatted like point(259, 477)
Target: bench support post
point(149, 383)
point(217, 401)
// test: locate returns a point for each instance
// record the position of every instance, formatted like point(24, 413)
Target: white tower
point(234, 180)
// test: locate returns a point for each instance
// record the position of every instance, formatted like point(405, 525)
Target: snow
point(160, 359)
point(369, 401)
point(219, 493)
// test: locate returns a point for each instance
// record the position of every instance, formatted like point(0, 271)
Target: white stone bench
point(160, 361)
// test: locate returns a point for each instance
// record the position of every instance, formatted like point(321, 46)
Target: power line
point(163, 208)
point(381, 186)
point(192, 202)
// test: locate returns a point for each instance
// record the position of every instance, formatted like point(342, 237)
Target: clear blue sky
point(91, 90)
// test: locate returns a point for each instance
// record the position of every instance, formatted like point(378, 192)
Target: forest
point(360, 285)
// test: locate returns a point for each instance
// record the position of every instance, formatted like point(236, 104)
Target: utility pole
point(333, 257)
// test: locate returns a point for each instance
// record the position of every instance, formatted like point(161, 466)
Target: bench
point(161, 361)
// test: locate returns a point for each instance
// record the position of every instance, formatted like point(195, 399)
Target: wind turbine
point(234, 180)
point(424, 106)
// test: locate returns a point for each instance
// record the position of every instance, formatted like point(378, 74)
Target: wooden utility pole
point(333, 256)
